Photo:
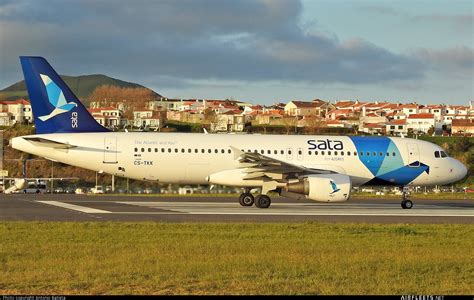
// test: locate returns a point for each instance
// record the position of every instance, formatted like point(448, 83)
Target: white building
point(147, 118)
point(18, 111)
point(422, 122)
point(108, 116)
point(397, 127)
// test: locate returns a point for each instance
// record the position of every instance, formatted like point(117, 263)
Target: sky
point(260, 51)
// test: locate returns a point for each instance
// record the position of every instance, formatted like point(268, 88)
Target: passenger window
point(443, 154)
point(189, 150)
point(222, 151)
point(275, 151)
point(322, 152)
point(380, 154)
point(335, 153)
point(196, 150)
point(143, 149)
point(361, 153)
point(169, 149)
point(315, 152)
point(149, 149)
point(209, 150)
point(342, 153)
point(300, 152)
point(355, 153)
point(309, 152)
point(176, 150)
point(162, 149)
point(348, 153)
point(388, 154)
point(329, 152)
point(269, 151)
point(216, 151)
point(289, 152)
point(203, 150)
point(182, 150)
point(282, 152)
point(374, 153)
point(156, 149)
point(393, 153)
point(136, 149)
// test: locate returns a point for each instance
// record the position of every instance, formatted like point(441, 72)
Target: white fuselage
point(188, 158)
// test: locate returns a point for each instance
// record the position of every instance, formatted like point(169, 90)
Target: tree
point(313, 124)
point(462, 144)
point(210, 116)
point(431, 130)
point(289, 123)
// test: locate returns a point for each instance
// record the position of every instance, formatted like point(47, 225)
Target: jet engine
point(322, 187)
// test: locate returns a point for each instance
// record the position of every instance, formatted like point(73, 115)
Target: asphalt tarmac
point(63, 207)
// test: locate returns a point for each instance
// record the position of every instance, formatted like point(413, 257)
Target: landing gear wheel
point(246, 199)
point(407, 204)
point(262, 201)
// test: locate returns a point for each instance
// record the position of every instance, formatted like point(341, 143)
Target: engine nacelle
point(323, 187)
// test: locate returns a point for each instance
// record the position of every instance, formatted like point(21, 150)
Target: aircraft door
point(300, 154)
point(289, 153)
point(413, 155)
point(110, 150)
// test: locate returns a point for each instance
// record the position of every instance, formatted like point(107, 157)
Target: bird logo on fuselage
point(56, 98)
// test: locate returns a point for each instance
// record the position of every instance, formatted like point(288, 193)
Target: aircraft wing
point(257, 166)
point(49, 143)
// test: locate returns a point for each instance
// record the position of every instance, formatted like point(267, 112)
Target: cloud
point(457, 60)
point(458, 20)
point(245, 40)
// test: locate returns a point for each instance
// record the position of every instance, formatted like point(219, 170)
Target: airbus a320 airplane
point(320, 168)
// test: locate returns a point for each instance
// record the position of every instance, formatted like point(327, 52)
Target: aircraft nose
point(461, 170)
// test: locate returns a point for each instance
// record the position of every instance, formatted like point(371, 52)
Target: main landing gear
point(260, 201)
point(406, 203)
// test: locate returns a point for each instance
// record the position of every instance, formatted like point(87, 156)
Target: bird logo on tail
point(56, 98)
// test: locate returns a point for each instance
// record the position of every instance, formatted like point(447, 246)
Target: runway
point(227, 209)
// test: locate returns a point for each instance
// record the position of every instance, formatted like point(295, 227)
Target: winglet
point(205, 131)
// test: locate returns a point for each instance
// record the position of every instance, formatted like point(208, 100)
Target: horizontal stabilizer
point(49, 143)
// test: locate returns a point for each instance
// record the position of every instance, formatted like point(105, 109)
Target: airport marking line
point(84, 209)
point(281, 209)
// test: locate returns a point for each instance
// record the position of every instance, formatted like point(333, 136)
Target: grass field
point(242, 258)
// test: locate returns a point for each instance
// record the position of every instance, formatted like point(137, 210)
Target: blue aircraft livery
point(55, 108)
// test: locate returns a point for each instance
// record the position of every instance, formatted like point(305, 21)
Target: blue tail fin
point(55, 108)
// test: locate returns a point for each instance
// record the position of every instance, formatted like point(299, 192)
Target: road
point(227, 209)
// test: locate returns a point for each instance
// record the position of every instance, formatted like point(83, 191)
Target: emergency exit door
point(110, 150)
point(413, 155)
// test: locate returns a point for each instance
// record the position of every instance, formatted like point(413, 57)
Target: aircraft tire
point(246, 199)
point(407, 204)
point(262, 201)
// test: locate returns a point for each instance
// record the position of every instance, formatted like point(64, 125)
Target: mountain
point(82, 86)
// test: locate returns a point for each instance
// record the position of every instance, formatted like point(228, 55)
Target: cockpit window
point(439, 154)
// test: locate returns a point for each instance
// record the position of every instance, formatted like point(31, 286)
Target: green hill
point(82, 86)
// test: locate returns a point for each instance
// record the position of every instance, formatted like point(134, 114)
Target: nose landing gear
point(406, 203)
